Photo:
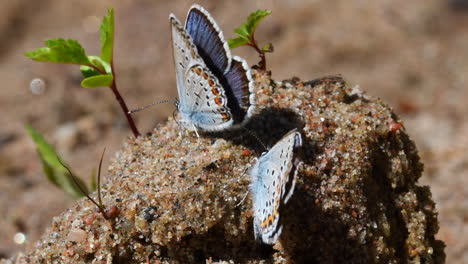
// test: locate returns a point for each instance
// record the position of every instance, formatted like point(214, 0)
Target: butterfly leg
point(196, 132)
point(242, 175)
point(243, 199)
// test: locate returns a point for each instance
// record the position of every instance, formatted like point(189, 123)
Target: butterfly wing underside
point(273, 180)
point(202, 101)
point(233, 72)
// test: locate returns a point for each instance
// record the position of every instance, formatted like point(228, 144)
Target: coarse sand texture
point(179, 199)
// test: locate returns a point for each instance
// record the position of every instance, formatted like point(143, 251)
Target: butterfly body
point(215, 89)
point(273, 179)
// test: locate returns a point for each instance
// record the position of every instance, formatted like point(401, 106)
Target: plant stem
point(99, 179)
point(119, 98)
point(261, 53)
point(121, 101)
point(100, 207)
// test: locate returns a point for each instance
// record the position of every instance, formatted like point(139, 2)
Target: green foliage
point(53, 169)
point(60, 51)
point(107, 36)
point(101, 64)
point(97, 62)
point(246, 31)
point(97, 81)
point(237, 42)
point(96, 70)
point(87, 71)
point(267, 47)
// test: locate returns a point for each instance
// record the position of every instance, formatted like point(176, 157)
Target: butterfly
point(273, 177)
point(216, 90)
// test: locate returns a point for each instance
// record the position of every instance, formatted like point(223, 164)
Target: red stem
point(121, 101)
point(261, 53)
point(119, 98)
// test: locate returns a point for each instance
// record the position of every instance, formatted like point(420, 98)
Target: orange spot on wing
point(215, 91)
point(211, 83)
point(225, 116)
point(205, 75)
point(268, 221)
point(275, 212)
point(198, 71)
point(218, 101)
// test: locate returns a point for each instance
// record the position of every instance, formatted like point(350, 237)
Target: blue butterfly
point(216, 90)
point(273, 178)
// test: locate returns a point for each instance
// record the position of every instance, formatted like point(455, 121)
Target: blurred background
point(412, 54)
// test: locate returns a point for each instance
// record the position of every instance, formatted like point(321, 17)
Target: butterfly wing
point(273, 180)
point(239, 87)
point(185, 54)
point(209, 40)
point(208, 111)
point(233, 73)
point(202, 101)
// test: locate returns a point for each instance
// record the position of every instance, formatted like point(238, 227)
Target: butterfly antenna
point(243, 199)
point(101, 208)
point(256, 137)
point(155, 103)
point(242, 175)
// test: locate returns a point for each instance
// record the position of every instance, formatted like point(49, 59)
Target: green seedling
point(98, 71)
point(246, 36)
point(76, 181)
point(54, 169)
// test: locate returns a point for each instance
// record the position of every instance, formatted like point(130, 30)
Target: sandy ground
point(412, 54)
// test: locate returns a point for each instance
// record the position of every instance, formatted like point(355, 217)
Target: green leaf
point(268, 47)
point(247, 29)
point(107, 36)
point(87, 71)
point(237, 42)
point(97, 81)
point(55, 172)
point(243, 32)
point(255, 18)
point(60, 51)
point(100, 63)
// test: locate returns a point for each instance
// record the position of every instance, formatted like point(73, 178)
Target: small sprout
point(53, 168)
point(98, 71)
point(246, 36)
point(267, 47)
point(107, 215)
point(99, 178)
